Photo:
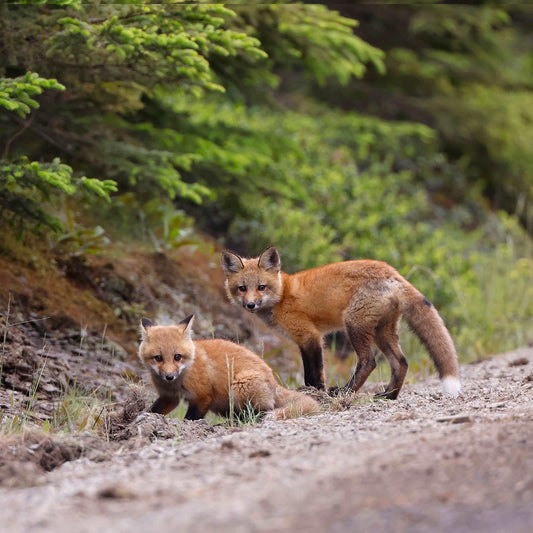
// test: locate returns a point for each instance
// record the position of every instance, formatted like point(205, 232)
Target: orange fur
point(366, 298)
point(208, 373)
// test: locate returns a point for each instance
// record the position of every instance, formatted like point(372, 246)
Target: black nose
point(250, 305)
point(169, 377)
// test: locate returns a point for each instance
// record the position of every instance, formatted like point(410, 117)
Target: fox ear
point(231, 262)
point(270, 259)
point(145, 324)
point(187, 324)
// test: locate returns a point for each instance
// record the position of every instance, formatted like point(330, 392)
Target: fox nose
point(250, 305)
point(170, 377)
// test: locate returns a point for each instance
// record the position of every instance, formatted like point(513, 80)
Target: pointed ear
point(231, 262)
point(270, 259)
point(145, 324)
point(187, 324)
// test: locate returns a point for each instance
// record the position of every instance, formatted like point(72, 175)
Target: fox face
point(167, 350)
point(253, 283)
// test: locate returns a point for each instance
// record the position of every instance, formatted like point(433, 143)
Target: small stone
point(456, 419)
point(519, 362)
point(260, 453)
point(116, 492)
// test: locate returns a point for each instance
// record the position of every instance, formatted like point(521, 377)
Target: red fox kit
point(211, 373)
point(365, 298)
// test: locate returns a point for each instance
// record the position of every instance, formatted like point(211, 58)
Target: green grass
point(245, 417)
point(498, 310)
point(75, 411)
point(78, 410)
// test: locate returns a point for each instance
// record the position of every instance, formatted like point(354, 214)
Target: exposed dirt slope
point(419, 464)
point(71, 322)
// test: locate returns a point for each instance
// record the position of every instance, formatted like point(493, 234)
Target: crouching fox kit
point(366, 298)
point(211, 374)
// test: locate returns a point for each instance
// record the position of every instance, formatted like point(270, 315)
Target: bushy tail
point(292, 404)
point(428, 325)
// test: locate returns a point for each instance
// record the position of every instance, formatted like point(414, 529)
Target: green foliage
point(80, 241)
point(117, 59)
point(111, 57)
point(169, 228)
point(72, 3)
point(309, 36)
point(166, 43)
point(495, 304)
point(27, 187)
point(468, 71)
point(496, 126)
point(16, 93)
point(341, 183)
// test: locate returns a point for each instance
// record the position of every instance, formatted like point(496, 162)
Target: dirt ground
point(421, 463)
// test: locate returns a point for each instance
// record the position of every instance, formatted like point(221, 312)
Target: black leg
point(313, 364)
point(194, 412)
point(163, 405)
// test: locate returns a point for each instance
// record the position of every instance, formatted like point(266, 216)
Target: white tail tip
point(451, 386)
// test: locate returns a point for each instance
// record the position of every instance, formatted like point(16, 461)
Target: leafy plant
point(82, 241)
point(16, 93)
point(26, 187)
point(309, 36)
point(169, 228)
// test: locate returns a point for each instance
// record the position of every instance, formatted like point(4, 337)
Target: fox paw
point(386, 395)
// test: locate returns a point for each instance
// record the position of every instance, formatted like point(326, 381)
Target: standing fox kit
point(365, 298)
point(212, 373)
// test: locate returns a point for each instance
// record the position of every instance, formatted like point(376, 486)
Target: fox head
point(253, 283)
point(167, 350)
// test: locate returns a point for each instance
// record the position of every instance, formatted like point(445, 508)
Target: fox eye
point(261, 287)
point(242, 288)
point(158, 358)
point(177, 357)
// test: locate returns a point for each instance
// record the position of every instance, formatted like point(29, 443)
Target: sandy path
point(421, 463)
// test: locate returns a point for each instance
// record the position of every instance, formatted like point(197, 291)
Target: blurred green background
point(402, 133)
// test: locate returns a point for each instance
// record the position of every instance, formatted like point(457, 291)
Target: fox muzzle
point(252, 306)
point(168, 377)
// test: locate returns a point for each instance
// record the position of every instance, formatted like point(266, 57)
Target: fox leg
point(375, 309)
point(361, 338)
point(361, 319)
point(195, 412)
point(313, 361)
point(163, 405)
point(309, 340)
point(388, 342)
